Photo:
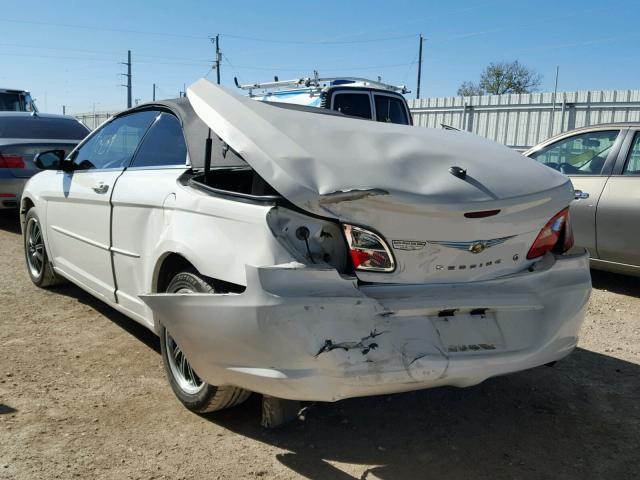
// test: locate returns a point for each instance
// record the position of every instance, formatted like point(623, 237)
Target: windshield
point(41, 127)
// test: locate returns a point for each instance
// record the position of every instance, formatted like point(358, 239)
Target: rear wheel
point(35, 253)
point(196, 394)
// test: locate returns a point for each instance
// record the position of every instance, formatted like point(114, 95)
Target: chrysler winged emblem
point(477, 246)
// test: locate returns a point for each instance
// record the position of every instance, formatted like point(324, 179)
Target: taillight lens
point(556, 236)
point(368, 250)
point(11, 161)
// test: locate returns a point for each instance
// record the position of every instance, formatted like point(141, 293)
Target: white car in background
point(307, 255)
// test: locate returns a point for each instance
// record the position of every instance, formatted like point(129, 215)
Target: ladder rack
point(315, 81)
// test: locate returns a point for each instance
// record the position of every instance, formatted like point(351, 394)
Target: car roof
point(604, 125)
point(5, 114)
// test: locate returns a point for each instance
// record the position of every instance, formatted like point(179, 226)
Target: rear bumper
point(308, 334)
point(10, 185)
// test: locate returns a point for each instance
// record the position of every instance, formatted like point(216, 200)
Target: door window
point(390, 109)
point(353, 104)
point(164, 144)
point(582, 154)
point(633, 162)
point(113, 145)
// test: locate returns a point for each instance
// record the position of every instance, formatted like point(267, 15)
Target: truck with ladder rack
point(353, 96)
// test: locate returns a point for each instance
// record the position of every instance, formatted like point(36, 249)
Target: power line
point(318, 42)
point(106, 29)
point(101, 52)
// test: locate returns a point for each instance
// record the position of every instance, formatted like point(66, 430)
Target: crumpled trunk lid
point(396, 180)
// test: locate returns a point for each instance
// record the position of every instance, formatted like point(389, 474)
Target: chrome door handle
point(580, 195)
point(101, 188)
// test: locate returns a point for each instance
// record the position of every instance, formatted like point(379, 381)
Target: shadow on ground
point(10, 220)
point(579, 419)
point(616, 283)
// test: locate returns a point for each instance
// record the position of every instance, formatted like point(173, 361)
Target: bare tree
point(503, 77)
point(468, 89)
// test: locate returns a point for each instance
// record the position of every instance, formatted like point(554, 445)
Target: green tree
point(503, 77)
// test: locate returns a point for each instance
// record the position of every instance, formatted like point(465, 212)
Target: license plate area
point(468, 332)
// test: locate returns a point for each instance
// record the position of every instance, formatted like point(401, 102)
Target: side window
point(113, 145)
point(583, 154)
point(633, 162)
point(164, 144)
point(354, 104)
point(390, 109)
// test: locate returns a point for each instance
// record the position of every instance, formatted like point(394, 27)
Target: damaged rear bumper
point(306, 333)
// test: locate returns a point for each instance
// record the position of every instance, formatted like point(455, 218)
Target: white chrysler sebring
point(307, 255)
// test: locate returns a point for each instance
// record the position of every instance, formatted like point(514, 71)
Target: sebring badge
point(408, 244)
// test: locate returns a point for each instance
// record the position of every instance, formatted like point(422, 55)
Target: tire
point(194, 393)
point(35, 254)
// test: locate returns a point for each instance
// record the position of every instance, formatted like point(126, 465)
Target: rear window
point(390, 110)
point(41, 127)
point(353, 104)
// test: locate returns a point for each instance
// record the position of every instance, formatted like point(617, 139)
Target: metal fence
point(523, 120)
point(93, 119)
point(516, 120)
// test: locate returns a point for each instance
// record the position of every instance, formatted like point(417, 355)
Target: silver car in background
point(603, 162)
point(22, 136)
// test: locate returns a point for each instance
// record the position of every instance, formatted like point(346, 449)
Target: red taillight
point(368, 250)
point(11, 161)
point(557, 230)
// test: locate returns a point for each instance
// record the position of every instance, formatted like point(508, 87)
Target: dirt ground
point(83, 395)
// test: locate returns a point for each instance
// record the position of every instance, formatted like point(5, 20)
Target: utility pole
point(154, 92)
point(218, 60)
point(419, 66)
point(553, 108)
point(128, 75)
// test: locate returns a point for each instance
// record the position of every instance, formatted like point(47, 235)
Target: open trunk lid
point(396, 180)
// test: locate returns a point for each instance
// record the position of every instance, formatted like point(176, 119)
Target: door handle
point(580, 195)
point(101, 188)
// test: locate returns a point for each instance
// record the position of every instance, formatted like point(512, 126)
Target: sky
point(69, 52)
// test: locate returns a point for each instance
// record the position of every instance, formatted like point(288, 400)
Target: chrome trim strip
point(125, 252)
point(80, 237)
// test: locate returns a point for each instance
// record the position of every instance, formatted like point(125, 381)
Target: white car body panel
point(302, 330)
point(78, 227)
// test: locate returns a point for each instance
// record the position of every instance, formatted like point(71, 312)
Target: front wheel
point(40, 270)
point(194, 393)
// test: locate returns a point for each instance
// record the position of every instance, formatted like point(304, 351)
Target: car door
point(142, 207)
point(618, 214)
point(587, 158)
point(78, 216)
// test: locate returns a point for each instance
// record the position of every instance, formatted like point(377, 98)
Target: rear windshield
point(41, 127)
point(353, 104)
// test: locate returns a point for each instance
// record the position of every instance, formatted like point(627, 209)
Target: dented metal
point(305, 332)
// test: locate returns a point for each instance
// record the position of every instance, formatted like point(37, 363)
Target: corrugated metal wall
point(523, 120)
point(93, 120)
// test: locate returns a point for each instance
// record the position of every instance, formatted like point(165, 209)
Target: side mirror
point(49, 160)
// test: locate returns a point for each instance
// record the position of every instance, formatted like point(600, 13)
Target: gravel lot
point(83, 395)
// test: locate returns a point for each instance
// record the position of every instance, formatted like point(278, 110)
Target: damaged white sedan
point(308, 255)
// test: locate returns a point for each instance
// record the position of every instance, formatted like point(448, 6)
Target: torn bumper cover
point(306, 333)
